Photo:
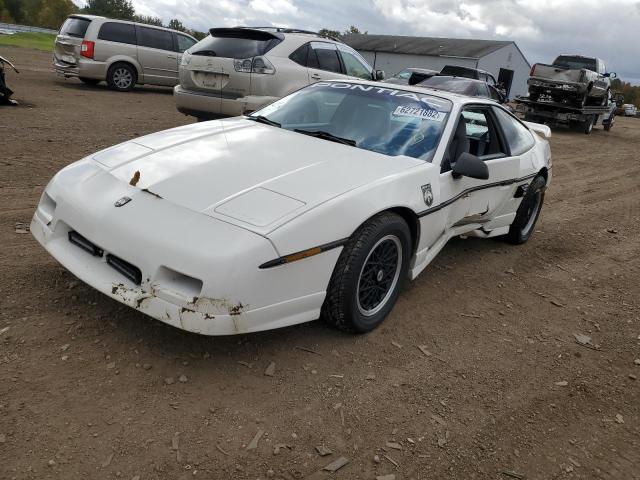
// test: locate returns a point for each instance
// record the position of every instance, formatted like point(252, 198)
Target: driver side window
point(476, 133)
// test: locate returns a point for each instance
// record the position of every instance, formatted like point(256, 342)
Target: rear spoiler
point(247, 33)
point(539, 128)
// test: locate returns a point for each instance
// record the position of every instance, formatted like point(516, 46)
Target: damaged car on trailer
point(319, 205)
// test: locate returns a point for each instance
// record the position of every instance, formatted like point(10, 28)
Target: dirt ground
point(92, 389)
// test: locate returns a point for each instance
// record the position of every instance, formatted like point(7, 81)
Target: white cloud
point(274, 7)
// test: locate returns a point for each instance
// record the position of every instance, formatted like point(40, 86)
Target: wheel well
point(413, 222)
point(124, 62)
point(544, 173)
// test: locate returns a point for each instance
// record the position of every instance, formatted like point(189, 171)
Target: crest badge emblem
point(427, 194)
point(122, 201)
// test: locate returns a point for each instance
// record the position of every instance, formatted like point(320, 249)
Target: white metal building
point(393, 53)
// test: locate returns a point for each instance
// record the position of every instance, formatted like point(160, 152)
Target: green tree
point(177, 25)
point(149, 20)
point(325, 32)
point(353, 29)
point(111, 8)
point(15, 8)
point(197, 34)
point(54, 13)
point(5, 15)
point(32, 9)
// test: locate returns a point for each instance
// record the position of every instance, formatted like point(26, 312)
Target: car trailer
point(556, 113)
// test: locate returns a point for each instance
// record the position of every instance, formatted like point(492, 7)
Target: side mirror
point(611, 75)
point(378, 75)
point(470, 166)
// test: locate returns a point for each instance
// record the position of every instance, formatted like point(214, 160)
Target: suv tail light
point(254, 65)
point(533, 69)
point(86, 49)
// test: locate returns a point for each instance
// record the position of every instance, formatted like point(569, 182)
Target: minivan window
point(324, 56)
point(184, 42)
point(154, 38)
point(75, 27)
point(234, 47)
point(118, 32)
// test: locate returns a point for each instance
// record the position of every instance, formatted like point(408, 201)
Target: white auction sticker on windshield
point(422, 113)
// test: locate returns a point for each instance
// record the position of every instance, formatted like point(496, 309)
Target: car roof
point(292, 32)
point(85, 16)
point(460, 79)
point(418, 70)
point(455, 98)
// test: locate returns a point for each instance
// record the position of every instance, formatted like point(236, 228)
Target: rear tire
point(89, 81)
point(366, 280)
point(122, 77)
point(528, 212)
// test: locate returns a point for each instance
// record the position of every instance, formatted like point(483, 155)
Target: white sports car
point(317, 206)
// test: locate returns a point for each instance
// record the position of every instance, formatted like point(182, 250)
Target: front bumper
point(203, 105)
point(198, 274)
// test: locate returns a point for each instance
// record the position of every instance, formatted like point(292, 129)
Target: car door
point(324, 62)
point(470, 200)
point(157, 56)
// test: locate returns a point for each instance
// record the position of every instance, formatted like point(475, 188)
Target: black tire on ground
point(366, 280)
point(607, 127)
point(89, 81)
point(528, 212)
point(122, 77)
point(587, 126)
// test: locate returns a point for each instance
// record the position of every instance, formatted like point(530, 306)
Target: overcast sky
point(609, 29)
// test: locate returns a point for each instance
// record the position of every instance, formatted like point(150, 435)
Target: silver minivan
point(120, 52)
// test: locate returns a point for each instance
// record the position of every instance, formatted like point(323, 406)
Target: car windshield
point(403, 75)
point(384, 120)
point(577, 63)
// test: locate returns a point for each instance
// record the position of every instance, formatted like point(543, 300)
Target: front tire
point(366, 280)
point(528, 212)
point(122, 77)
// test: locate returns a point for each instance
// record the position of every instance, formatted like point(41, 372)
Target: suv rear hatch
point(69, 40)
point(223, 63)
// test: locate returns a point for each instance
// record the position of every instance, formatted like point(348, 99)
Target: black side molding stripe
point(310, 252)
point(448, 202)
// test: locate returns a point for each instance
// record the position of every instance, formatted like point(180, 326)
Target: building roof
point(433, 46)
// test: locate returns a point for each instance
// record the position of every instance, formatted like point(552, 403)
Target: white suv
point(235, 71)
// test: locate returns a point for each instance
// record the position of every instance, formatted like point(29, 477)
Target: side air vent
point(88, 246)
point(132, 272)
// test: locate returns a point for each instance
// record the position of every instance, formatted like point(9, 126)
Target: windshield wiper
point(327, 136)
point(263, 119)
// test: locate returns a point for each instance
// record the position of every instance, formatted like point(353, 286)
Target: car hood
point(244, 172)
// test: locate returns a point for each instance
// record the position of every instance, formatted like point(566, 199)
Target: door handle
point(173, 57)
point(315, 76)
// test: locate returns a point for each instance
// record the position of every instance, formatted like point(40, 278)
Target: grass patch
point(38, 41)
